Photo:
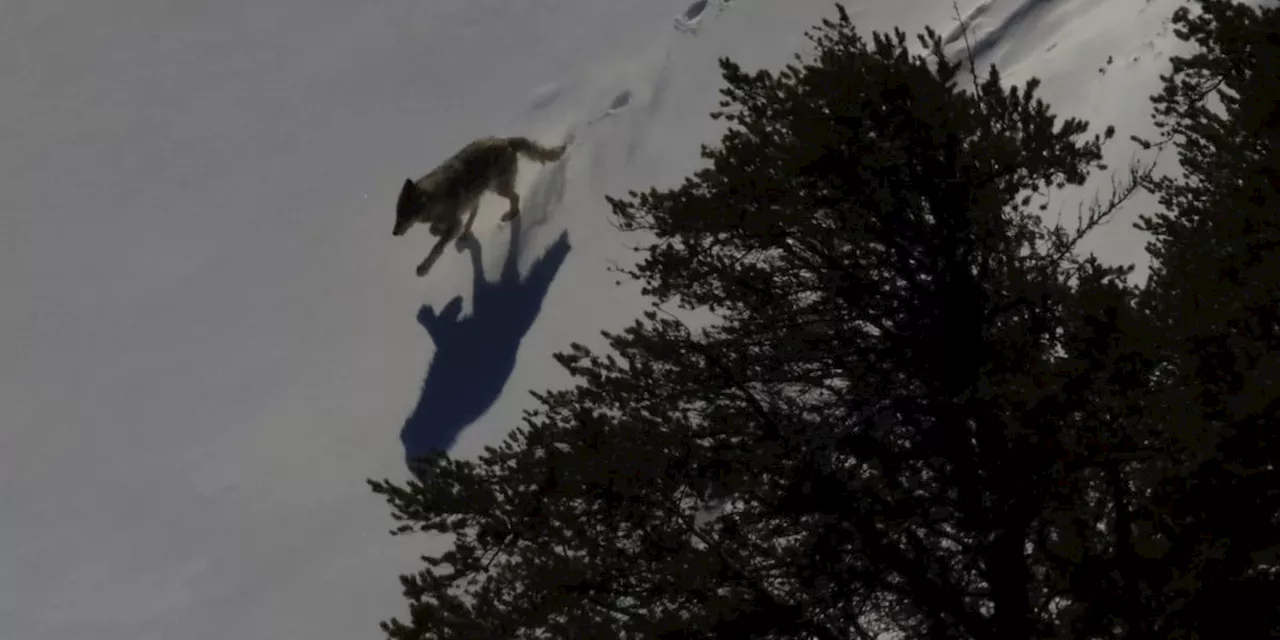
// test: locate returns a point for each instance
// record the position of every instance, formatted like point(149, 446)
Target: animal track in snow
point(1024, 13)
point(695, 10)
point(619, 103)
point(621, 100)
point(957, 31)
point(661, 83)
point(689, 20)
point(545, 95)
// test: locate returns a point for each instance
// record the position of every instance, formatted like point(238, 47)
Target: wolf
point(439, 198)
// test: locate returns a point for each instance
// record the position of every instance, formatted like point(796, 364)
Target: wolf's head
point(408, 207)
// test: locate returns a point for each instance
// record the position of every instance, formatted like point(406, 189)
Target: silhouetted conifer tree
point(1213, 522)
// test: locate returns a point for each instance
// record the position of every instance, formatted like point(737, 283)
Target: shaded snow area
point(210, 337)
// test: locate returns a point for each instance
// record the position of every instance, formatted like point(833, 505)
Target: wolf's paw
point(510, 215)
point(461, 242)
point(422, 269)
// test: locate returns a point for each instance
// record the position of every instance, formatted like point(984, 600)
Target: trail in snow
point(691, 18)
point(1097, 61)
point(992, 33)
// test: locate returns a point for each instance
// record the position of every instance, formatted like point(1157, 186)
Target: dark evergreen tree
point(920, 413)
point(1214, 295)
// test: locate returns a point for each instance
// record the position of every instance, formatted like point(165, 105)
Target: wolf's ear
point(406, 196)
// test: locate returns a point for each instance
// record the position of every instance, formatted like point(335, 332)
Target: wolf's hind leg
point(506, 188)
point(466, 234)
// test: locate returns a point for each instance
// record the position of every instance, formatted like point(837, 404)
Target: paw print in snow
point(689, 20)
point(619, 103)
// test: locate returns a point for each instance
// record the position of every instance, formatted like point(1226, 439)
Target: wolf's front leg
point(507, 189)
point(431, 258)
point(466, 234)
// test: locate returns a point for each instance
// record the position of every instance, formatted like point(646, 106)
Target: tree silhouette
point(1210, 507)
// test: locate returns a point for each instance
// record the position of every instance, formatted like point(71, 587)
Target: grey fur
point(439, 198)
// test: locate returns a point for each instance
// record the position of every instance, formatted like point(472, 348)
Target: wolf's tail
point(534, 151)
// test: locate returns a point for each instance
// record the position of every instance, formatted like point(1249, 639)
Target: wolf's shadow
point(474, 356)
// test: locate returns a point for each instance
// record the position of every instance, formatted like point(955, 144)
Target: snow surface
point(210, 336)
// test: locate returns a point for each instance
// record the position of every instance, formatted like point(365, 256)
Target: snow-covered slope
point(209, 335)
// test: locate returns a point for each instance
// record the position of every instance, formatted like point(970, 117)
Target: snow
point(210, 336)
